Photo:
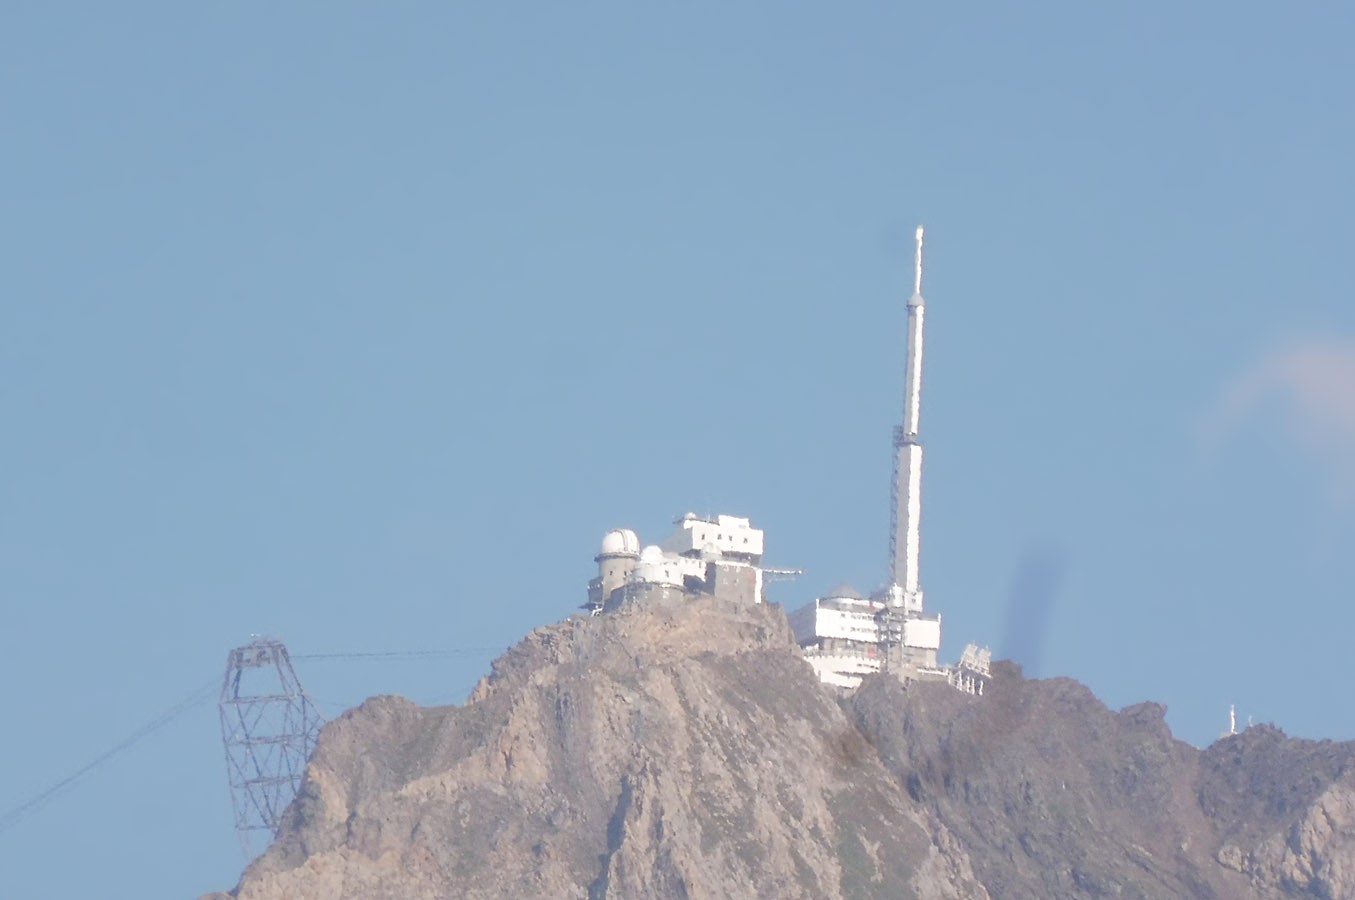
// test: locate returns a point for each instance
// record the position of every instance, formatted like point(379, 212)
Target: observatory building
point(721, 556)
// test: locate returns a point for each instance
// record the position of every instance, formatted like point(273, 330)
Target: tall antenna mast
point(904, 542)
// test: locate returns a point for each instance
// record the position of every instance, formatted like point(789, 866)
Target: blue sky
point(360, 326)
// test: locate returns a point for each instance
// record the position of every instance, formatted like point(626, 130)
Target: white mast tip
point(917, 269)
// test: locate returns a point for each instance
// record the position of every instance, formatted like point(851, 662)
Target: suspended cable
point(401, 654)
point(331, 704)
point(12, 817)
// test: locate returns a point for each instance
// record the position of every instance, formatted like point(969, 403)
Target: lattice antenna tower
point(269, 727)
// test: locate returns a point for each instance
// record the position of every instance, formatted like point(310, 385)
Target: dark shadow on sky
point(1030, 606)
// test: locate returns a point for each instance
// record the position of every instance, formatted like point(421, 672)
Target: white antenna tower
point(904, 542)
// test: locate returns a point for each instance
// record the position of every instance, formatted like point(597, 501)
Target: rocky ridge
point(688, 751)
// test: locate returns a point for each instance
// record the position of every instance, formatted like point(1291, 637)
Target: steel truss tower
point(269, 727)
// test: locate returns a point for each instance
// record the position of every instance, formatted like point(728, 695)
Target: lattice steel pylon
point(269, 727)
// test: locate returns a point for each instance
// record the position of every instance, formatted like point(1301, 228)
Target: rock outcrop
point(688, 751)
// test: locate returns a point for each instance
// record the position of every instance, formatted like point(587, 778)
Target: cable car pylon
point(268, 727)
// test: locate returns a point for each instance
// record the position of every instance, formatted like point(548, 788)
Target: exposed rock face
point(688, 751)
point(1286, 811)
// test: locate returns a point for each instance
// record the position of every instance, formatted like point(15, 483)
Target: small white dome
point(652, 553)
point(613, 542)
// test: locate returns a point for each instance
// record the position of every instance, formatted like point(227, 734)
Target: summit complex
point(844, 635)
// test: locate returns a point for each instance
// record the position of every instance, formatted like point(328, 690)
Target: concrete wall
point(737, 582)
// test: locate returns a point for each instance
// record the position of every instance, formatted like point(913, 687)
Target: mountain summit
point(688, 750)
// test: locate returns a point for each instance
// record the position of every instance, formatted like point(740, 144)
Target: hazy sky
point(359, 324)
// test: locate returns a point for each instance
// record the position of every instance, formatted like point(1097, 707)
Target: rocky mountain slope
point(688, 751)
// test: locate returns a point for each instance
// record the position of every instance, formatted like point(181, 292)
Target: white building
point(729, 537)
point(840, 636)
point(720, 556)
point(846, 636)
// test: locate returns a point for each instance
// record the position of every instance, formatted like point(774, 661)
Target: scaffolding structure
point(269, 727)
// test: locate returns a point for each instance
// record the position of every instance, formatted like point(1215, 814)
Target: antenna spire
point(917, 267)
point(904, 591)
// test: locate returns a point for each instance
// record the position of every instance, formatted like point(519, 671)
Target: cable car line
point(13, 816)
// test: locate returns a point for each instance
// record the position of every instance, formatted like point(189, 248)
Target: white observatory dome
point(651, 554)
point(619, 542)
point(613, 542)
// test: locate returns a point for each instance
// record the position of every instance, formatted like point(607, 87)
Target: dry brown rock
point(688, 751)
